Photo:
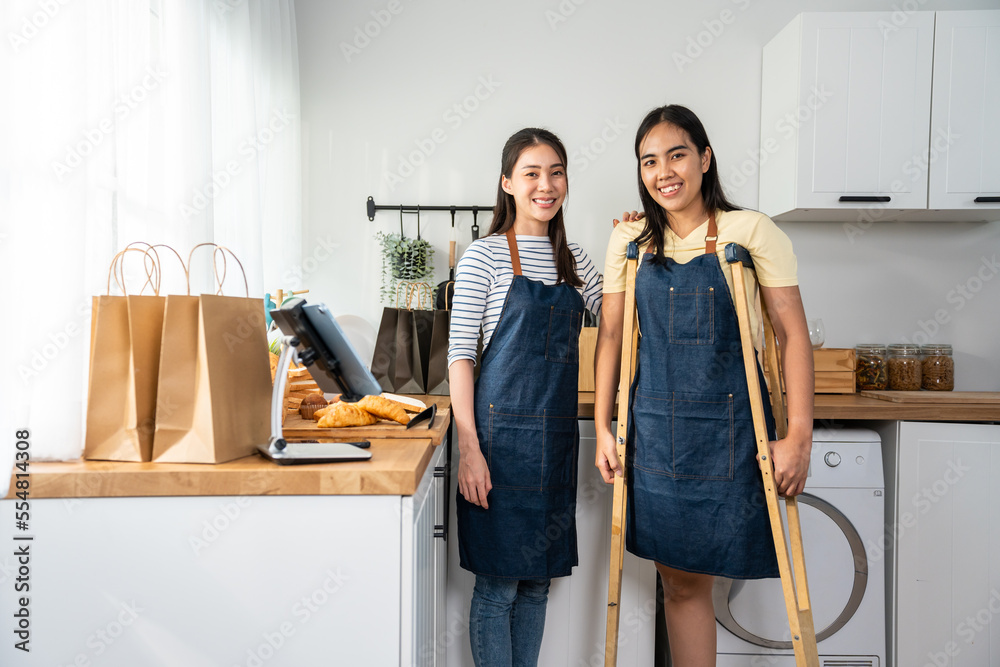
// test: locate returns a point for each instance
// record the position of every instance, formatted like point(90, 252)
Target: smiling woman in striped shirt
point(526, 288)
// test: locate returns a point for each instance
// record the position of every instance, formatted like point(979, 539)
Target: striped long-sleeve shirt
point(484, 276)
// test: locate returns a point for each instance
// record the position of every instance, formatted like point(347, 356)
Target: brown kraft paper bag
point(437, 363)
point(402, 345)
point(124, 361)
point(383, 364)
point(215, 380)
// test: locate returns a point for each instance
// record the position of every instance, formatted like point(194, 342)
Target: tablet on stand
point(314, 339)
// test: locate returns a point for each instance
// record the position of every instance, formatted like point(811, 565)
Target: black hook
point(401, 221)
point(452, 216)
point(475, 223)
point(418, 222)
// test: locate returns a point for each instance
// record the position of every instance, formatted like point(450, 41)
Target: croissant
point(346, 414)
point(384, 408)
point(318, 414)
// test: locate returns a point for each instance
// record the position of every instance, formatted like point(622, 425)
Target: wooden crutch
point(630, 339)
point(796, 591)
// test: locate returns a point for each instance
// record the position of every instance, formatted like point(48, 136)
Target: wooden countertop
point(397, 464)
point(853, 406)
point(399, 460)
point(395, 468)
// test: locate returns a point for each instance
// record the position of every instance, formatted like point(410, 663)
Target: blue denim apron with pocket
point(695, 494)
point(526, 411)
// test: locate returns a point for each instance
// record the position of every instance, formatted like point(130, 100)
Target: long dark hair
point(506, 211)
point(711, 187)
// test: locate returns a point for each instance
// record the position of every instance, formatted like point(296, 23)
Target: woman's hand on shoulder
point(474, 476)
point(628, 216)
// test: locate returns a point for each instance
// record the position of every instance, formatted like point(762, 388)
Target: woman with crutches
point(695, 501)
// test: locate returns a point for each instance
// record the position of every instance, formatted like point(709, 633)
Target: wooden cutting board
point(297, 428)
point(981, 397)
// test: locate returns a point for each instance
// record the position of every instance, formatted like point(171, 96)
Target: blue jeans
point(506, 621)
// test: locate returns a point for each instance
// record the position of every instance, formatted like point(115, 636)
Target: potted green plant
point(404, 259)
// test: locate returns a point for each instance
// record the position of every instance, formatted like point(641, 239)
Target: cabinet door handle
point(867, 198)
point(441, 529)
point(987, 200)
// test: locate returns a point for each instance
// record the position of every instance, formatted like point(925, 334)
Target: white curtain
point(167, 121)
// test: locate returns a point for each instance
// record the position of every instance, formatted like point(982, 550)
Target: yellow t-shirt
point(770, 248)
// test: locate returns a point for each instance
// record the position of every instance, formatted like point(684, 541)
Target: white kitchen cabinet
point(846, 117)
point(942, 544)
point(424, 569)
point(253, 581)
point(844, 112)
point(965, 111)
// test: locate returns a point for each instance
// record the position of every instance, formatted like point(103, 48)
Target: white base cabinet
point(424, 569)
point(203, 581)
point(943, 543)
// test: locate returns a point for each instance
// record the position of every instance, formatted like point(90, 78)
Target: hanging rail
point(372, 207)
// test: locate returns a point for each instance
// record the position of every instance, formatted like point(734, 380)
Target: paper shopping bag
point(437, 358)
point(412, 331)
point(383, 365)
point(215, 381)
point(402, 346)
point(121, 391)
point(124, 356)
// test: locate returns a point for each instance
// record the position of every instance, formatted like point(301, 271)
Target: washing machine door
point(837, 568)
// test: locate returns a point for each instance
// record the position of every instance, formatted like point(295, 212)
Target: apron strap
point(515, 258)
point(710, 238)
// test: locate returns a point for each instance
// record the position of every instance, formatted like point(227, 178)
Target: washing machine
point(841, 513)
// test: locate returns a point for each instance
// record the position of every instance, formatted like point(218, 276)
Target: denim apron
point(526, 411)
point(695, 494)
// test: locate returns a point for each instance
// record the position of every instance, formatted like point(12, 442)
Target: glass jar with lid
point(870, 368)
point(937, 368)
point(904, 367)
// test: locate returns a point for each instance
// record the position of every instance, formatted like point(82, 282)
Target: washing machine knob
point(832, 459)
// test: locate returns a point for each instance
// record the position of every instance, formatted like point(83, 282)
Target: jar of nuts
point(937, 368)
point(870, 369)
point(904, 367)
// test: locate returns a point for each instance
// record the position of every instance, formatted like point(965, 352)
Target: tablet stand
point(289, 356)
point(277, 448)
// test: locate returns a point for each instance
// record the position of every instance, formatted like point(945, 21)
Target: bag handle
point(116, 268)
point(187, 276)
point(422, 291)
point(219, 250)
point(447, 306)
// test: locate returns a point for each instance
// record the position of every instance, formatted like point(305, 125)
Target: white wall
point(589, 70)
